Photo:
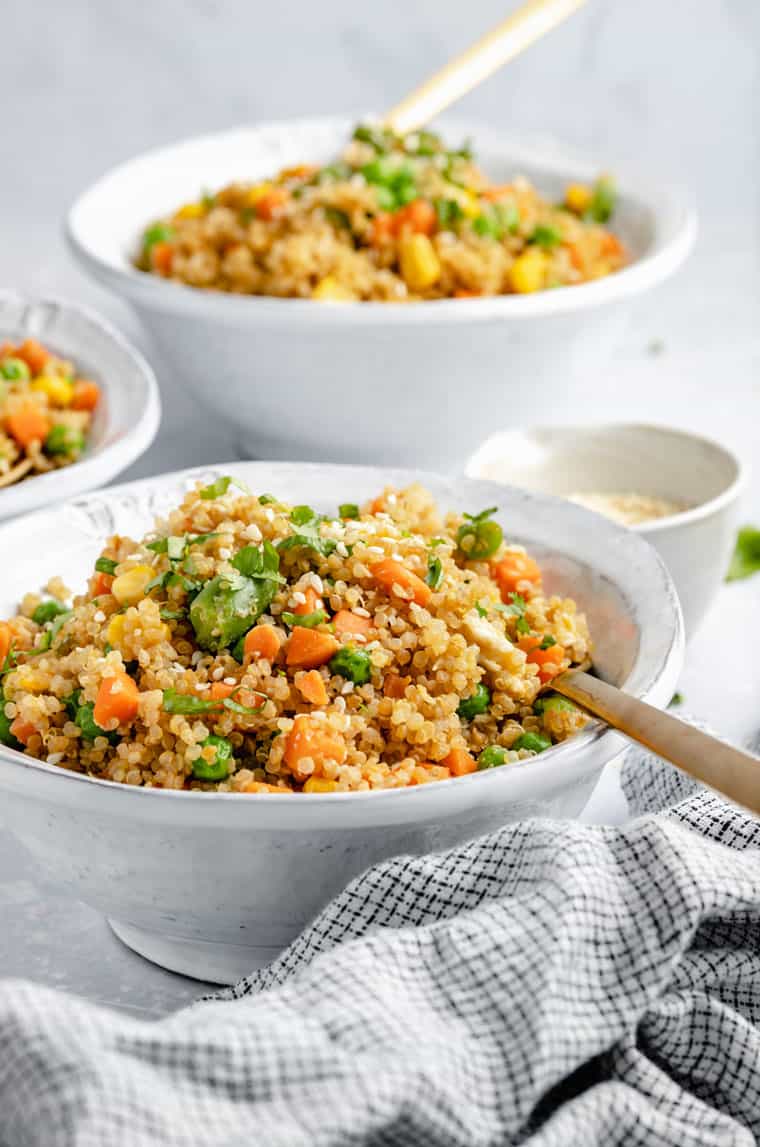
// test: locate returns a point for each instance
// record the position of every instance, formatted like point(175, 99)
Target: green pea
point(546, 236)
point(603, 201)
point(64, 440)
point(6, 736)
point(492, 757)
point(353, 664)
point(86, 721)
point(14, 369)
point(158, 233)
point(476, 703)
point(533, 741)
point(551, 703)
point(219, 768)
point(47, 610)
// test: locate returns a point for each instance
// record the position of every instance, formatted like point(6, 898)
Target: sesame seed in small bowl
point(677, 489)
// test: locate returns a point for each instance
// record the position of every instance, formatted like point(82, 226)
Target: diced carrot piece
point(382, 230)
point(7, 349)
point(377, 505)
point(313, 739)
point(34, 355)
point(161, 258)
point(118, 699)
point(6, 640)
point(611, 245)
point(262, 787)
point(22, 730)
point(311, 605)
point(492, 194)
point(349, 624)
point(271, 204)
point(459, 762)
point(418, 216)
point(309, 648)
point(576, 256)
point(461, 293)
point(549, 661)
point(389, 573)
point(28, 424)
point(394, 686)
point(101, 584)
point(312, 688)
point(219, 690)
point(86, 394)
point(512, 570)
point(261, 642)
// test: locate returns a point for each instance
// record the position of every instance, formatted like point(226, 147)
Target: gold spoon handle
point(731, 771)
point(528, 24)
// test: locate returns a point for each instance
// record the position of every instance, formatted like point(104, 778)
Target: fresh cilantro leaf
point(746, 557)
point(106, 566)
point(434, 575)
point(547, 642)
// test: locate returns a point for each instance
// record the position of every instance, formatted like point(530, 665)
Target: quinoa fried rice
point(253, 647)
point(395, 219)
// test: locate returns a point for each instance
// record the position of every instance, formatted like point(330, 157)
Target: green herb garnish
point(305, 620)
point(478, 537)
point(746, 556)
point(106, 566)
point(434, 575)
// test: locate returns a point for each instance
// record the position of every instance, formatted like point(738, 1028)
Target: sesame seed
point(360, 611)
point(299, 598)
point(230, 681)
point(99, 615)
point(217, 673)
point(202, 686)
point(360, 637)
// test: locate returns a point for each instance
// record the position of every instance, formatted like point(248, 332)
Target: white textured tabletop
point(113, 85)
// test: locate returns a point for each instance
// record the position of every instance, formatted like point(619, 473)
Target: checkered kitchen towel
point(551, 983)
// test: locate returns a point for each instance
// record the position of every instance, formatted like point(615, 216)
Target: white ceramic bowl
point(212, 884)
point(126, 420)
point(658, 461)
point(391, 383)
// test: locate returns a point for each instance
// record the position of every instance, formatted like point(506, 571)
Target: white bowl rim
point(150, 290)
point(570, 748)
point(134, 442)
point(686, 517)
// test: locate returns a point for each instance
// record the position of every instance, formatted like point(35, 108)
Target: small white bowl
point(392, 383)
point(694, 472)
point(212, 884)
point(127, 418)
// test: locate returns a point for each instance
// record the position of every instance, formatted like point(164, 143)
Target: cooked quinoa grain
point(393, 220)
point(326, 655)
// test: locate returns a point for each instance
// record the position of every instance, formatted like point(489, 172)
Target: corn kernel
point(58, 389)
point(129, 588)
point(420, 265)
point(578, 197)
point(257, 192)
point(528, 272)
point(319, 785)
point(470, 205)
point(115, 631)
point(329, 290)
point(191, 211)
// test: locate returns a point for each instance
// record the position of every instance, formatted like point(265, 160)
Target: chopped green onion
point(106, 566)
point(546, 236)
point(220, 487)
point(348, 510)
point(532, 741)
point(434, 572)
point(64, 440)
point(746, 556)
point(219, 768)
point(603, 200)
point(547, 641)
point(47, 610)
point(305, 620)
point(157, 233)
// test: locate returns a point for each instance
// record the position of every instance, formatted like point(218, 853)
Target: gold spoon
point(723, 767)
point(528, 24)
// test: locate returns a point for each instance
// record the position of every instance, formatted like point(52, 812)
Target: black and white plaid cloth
point(549, 984)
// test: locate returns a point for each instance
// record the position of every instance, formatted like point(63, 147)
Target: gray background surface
point(668, 91)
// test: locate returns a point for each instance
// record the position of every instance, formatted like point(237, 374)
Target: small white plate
point(126, 419)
